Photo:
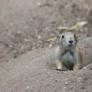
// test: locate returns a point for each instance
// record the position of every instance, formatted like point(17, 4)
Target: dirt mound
point(36, 72)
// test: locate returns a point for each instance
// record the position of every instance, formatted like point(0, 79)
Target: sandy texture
point(26, 25)
point(36, 72)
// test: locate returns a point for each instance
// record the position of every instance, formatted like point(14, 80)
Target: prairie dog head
point(68, 40)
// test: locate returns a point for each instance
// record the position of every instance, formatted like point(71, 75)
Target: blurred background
point(26, 25)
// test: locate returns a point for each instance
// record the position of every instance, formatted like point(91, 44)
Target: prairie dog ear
point(63, 29)
point(59, 34)
point(76, 39)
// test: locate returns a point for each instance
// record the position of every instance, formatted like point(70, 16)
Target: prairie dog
point(68, 56)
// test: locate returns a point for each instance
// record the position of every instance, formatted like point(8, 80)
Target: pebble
point(39, 37)
point(27, 87)
point(50, 45)
point(38, 4)
point(66, 83)
point(84, 68)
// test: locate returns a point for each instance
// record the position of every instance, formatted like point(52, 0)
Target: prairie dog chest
point(68, 59)
point(68, 56)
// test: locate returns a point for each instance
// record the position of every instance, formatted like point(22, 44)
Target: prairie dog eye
point(62, 36)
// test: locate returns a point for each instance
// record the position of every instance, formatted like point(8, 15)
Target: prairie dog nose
point(71, 41)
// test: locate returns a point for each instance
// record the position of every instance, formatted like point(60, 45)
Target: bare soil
point(26, 25)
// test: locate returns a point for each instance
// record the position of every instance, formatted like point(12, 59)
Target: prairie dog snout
point(68, 39)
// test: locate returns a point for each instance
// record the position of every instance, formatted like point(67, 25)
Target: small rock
point(39, 37)
point(84, 68)
point(66, 83)
point(50, 45)
point(64, 87)
point(27, 87)
point(38, 4)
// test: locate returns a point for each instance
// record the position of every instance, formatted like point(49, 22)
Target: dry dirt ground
point(26, 25)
